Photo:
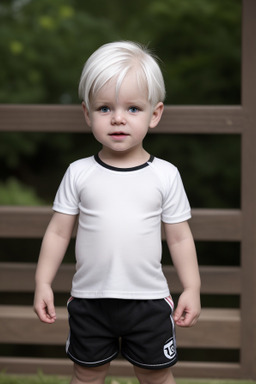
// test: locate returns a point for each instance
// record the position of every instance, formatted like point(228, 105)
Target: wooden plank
point(19, 277)
point(216, 328)
point(20, 325)
point(206, 224)
point(214, 280)
point(31, 366)
point(202, 120)
point(24, 222)
point(212, 370)
point(220, 280)
point(119, 368)
point(216, 224)
point(42, 118)
point(176, 119)
point(248, 246)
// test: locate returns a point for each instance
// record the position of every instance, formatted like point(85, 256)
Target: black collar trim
point(99, 161)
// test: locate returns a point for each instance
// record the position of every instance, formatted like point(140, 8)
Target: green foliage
point(12, 192)
point(14, 146)
point(201, 55)
point(44, 45)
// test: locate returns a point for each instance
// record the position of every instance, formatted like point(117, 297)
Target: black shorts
point(144, 330)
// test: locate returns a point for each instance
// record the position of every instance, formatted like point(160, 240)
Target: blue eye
point(104, 109)
point(133, 109)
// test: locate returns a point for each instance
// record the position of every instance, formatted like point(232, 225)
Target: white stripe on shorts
point(169, 301)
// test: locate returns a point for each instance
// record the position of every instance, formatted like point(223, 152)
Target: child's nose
point(118, 118)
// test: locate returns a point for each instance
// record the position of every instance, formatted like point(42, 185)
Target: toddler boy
point(120, 196)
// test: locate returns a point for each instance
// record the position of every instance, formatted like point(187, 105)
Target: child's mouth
point(118, 134)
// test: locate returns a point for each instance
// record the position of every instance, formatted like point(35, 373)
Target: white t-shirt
point(118, 244)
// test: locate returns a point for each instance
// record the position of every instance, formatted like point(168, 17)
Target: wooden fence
point(218, 328)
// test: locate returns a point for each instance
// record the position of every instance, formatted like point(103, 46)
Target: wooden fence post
point(248, 246)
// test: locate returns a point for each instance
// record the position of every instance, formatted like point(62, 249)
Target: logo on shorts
point(169, 349)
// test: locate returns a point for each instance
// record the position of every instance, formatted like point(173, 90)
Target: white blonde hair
point(114, 60)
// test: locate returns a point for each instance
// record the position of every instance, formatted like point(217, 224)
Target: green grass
point(45, 379)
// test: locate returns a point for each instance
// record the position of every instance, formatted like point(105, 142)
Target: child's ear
point(156, 115)
point(86, 114)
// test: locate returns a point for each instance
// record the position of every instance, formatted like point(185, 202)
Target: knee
point(147, 376)
point(84, 375)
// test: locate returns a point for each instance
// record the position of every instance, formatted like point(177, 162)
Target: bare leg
point(95, 375)
point(148, 376)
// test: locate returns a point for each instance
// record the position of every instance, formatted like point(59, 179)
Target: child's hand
point(44, 304)
point(188, 309)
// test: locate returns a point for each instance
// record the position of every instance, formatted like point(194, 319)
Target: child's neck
point(124, 160)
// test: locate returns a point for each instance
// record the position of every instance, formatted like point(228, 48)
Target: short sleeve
point(67, 197)
point(176, 207)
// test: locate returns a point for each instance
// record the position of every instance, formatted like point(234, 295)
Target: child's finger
point(51, 311)
point(179, 314)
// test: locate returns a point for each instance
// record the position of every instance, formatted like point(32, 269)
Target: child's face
point(120, 122)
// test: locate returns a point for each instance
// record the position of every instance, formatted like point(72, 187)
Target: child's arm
point(182, 248)
point(54, 246)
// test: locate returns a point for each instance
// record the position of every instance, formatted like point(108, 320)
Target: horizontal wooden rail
point(119, 368)
point(206, 224)
point(69, 118)
point(19, 277)
point(216, 328)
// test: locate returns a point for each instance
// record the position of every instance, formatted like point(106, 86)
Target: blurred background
point(43, 47)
